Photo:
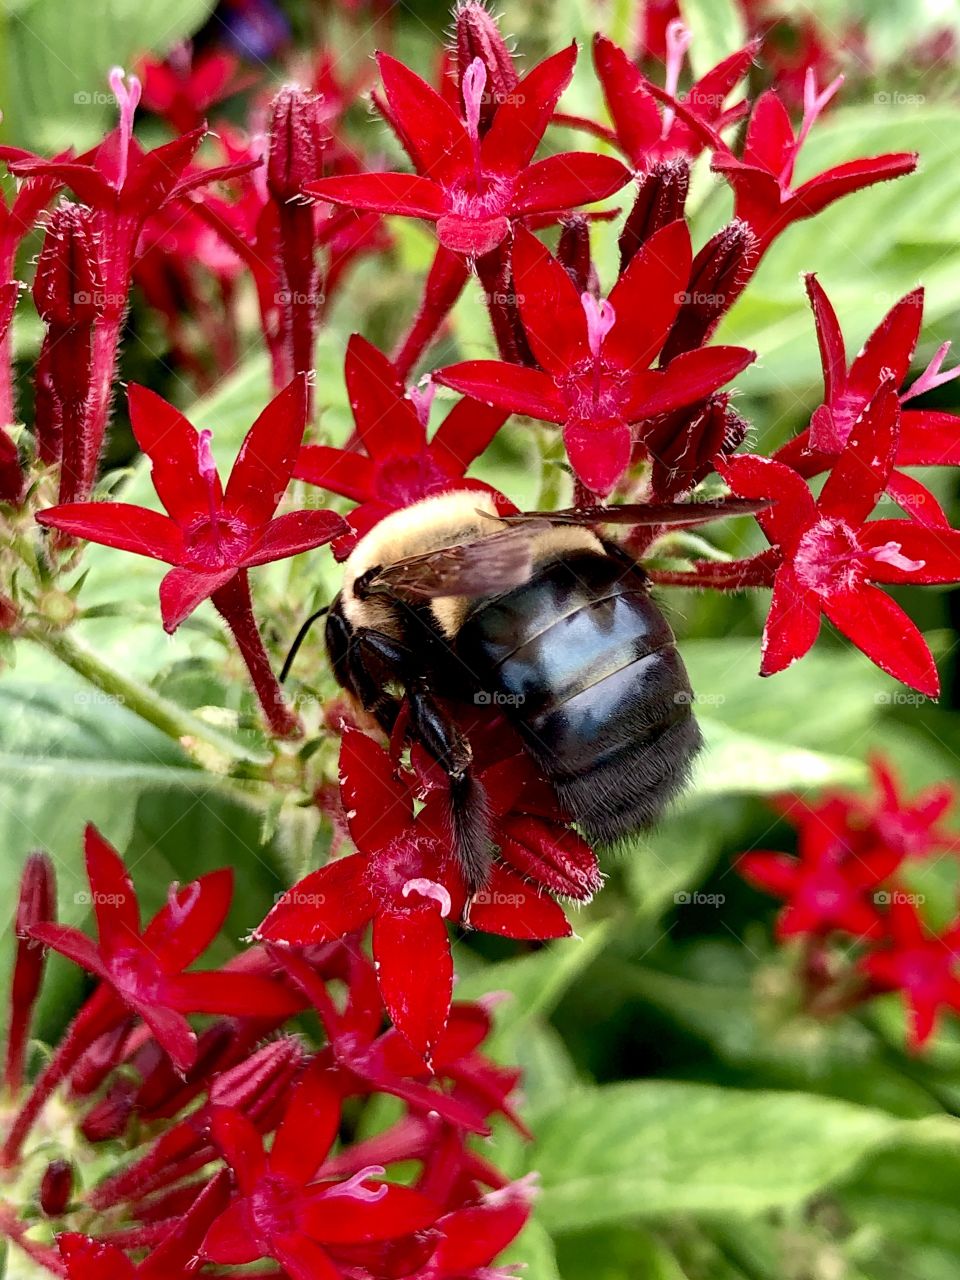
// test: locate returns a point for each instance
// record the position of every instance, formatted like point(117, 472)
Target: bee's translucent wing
point(675, 514)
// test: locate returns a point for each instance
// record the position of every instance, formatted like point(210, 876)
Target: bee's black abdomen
point(587, 666)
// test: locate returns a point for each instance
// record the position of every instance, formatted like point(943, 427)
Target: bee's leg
point(469, 810)
point(369, 661)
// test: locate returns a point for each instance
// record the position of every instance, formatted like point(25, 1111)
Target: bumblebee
point(447, 602)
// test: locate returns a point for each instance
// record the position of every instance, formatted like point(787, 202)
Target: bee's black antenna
point(298, 641)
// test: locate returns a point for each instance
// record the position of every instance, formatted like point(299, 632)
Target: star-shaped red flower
point(829, 555)
point(144, 969)
point(281, 1212)
point(400, 466)
point(474, 188)
point(922, 966)
point(595, 376)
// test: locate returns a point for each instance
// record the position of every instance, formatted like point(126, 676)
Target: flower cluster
point(233, 1137)
point(847, 896)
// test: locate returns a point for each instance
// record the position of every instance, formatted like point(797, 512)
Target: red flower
point(830, 885)
point(144, 968)
point(282, 1213)
point(474, 187)
point(400, 466)
point(475, 1235)
point(829, 555)
point(927, 437)
point(405, 881)
point(595, 356)
point(920, 965)
point(212, 536)
point(912, 828)
point(647, 132)
point(183, 88)
point(762, 179)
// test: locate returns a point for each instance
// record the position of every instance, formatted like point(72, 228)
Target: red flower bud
point(573, 251)
point(661, 198)
point(253, 1083)
point(552, 856)
point(56, 1188)
point(719, 272)
point(37, 904)
point(108, 1118)
point(478, 36)
point(684, 446)
point(68, 284)
point(297, 139)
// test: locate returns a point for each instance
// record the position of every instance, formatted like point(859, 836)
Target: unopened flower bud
point(479, 37)
point(573, 251)
point(36, 905)
point(552, 856)
point(245, 1086)
point(56, 1188)
point(67, 286)
point(684, 446)
point(108, 1118)
point(717, 276)
point(296, 145)
point(661, 198)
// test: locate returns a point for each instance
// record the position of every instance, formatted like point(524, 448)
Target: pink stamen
point(354, 1188)
point(429, 889)
point(679, 39)
point(421, 397)
point(128, 97)
point(891, 553)
point(208, 470)
point(931, 376)
point(813, 104)
point(473, 84)
point(601, 318)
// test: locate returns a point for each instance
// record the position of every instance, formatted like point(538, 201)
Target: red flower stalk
point(445, 282)
point(595, 355)
point(294, 158)
point(922, 966)
point(762, 179)
point(11, 471)
point(142, 972)
point(648, 133)
point(36, 905)
point(68, 292)
point(474, 186)
point(210, 535)
point(927, 437)
point(124, 185)
point(282, 1212)
point(400, 466)
point(831, 885)
point(829, 555)
point(404, 879)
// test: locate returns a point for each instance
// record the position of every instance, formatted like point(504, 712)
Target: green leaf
point(718, 29)
point(650, 1148)
point(739, 763)
point(534, 1250)
point(59, 56)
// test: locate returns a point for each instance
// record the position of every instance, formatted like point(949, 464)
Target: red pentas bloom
point(405, 880)
point(184, 86)
point(595, 354)
point(915, 828)
point(923, 966)
point(400, 465)
point(829, 555)
point(762, 178)
point(282, 1211)
point(927, 437)
point(212, 535)
point(473, 187)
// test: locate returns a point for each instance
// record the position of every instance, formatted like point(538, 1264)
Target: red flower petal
point(861, 472)
point(242, 1147)
point(120, 525)
point(265, 462)
point(916, 500)
point(184, 590)
point(73, 944)
point(845, 179)
point(431, 131)
point(475, 1236)
point(115, 904)
point(512, 387)
point(647, 297)
point(599, 455)
point(301, 1259)
point(929, 439)
point(323, 906)
point(464, 435)
point(770, 141)
point(878, 626)
point(910, 553)
point(687, 378)
point(634, 112)
point(752, 476)
point(350, 474)
point(351, 1219)
point(550, 307)
point(378, 806)
point(240, 995)
point(776, 873)
point(521, 121)
point(312, 1112)
point(889, 349)
point(170, 442)
point(171, 1031)
point(415, 971)
point(231, 1238)
point(566, 181)
point(88, 1259)
point(513, 908)
point(386, 420)
point(793, 623)
point(296, 532)
point(833, 355)
point(402, 193)
point(186, 926)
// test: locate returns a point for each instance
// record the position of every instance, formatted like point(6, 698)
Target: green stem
point(194, 735)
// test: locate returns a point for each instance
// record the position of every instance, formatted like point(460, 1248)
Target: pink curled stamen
point(354, 1189)
point(931, 376)
point(127, 91)
point(813, 104)
point(679, 40)
point(421, 397)
point(891, 553)
point(429, 889)
point(601, 318)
